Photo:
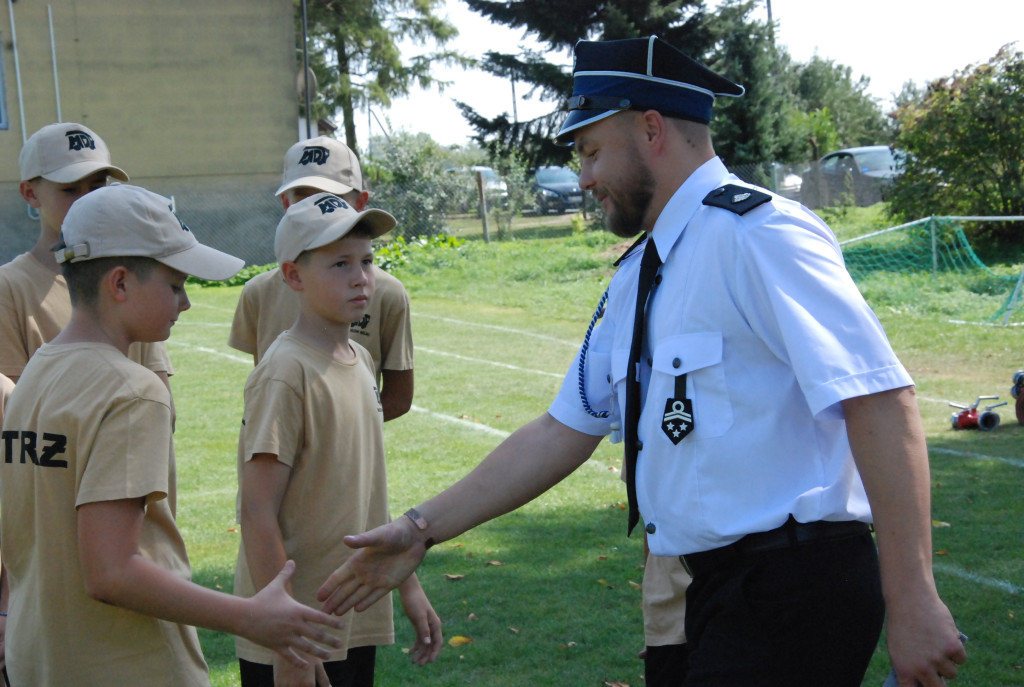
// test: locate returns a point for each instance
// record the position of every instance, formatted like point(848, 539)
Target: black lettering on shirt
point(8, 438)
point(58, 444)
point(28, 448)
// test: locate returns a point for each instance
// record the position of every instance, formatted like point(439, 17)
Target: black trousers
point(355, 671)
point(809, 615)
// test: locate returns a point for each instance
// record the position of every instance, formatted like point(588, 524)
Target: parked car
point(556, 189)
point(495, 188)
point(861, 175)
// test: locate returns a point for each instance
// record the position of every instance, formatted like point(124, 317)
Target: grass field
point(549, 594)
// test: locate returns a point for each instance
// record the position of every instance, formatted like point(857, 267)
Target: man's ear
point(653, 126)
point(292, 275)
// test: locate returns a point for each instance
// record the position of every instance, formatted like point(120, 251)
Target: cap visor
point(204, 262)
point(578, 119)
point(80, 170)
point(319, 183)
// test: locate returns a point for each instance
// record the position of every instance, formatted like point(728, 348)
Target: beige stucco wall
point(177, 88)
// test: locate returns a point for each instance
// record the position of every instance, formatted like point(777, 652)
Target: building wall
point(180, 90)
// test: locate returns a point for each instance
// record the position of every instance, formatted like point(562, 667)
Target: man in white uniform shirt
point(774, 420)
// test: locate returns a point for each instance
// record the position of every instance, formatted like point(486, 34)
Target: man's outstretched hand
point(386, 556)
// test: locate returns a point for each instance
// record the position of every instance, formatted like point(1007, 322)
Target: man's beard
point(630, 204)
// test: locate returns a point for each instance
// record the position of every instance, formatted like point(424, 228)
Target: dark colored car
point(556, 189)
point(859, 175)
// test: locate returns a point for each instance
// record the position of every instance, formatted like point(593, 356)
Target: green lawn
point(549, 594)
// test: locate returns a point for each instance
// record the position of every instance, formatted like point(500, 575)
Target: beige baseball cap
point(64, 153)
point(322, 163)
point(321, 219)
point(122, 221)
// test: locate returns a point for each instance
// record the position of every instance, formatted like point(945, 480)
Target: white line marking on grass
point(478, 426)
point(521, 332)
point(211, 351)
point(1003, 585)
point(212, 307)
point(481, 427)
point(489, 362)
point(980, 456)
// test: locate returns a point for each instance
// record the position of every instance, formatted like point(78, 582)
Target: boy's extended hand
point(387, 556)
point(281, 623)
point(425, 622)
point(288, 675)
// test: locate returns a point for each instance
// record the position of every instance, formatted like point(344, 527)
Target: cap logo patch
point(184, 227)
point(330, 204)
point(314, 155)
point(79, 140)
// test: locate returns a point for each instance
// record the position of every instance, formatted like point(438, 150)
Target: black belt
point(790, 535)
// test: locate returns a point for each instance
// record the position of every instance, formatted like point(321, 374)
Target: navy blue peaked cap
point(639, 74)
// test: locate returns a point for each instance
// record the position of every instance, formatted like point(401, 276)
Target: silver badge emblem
point(740, 197)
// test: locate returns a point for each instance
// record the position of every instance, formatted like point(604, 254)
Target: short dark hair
point(84, 277)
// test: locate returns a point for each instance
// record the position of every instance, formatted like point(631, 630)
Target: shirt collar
point(685, 202)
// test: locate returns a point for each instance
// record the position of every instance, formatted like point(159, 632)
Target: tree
point(763, 125)
point(560, 25)
point(965, 146)
point(407, 177)
point(354, 52)
point(756, 127)
point(822, 86)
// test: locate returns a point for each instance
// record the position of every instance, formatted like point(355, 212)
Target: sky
point(889, 41)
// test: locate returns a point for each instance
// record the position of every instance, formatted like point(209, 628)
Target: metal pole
point(1013, 299)
point(515, 112)
point(305, 71)
point(53, 56)
point(17, 72)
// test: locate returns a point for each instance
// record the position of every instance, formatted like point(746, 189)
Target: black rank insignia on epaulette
point(738, 199)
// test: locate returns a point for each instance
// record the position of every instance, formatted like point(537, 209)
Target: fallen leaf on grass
point(635, 585)
point(233, 529)
point(602, 558)
point(942, 553)
point(459, 641)
point(495, 563)
point(939, 523)
point(454, 578)
point(615, 684)
point(472, 616)
point(513, 630)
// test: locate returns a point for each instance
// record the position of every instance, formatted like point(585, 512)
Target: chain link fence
point(239, 214)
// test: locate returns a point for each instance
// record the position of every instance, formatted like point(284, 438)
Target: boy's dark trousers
point(355, 671)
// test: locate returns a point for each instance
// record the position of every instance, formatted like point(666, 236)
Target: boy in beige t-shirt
point(100, 590)
point(311, 448)
point(267, 306)
point(58, 164)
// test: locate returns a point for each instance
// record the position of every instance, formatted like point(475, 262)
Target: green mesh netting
point(933, 257)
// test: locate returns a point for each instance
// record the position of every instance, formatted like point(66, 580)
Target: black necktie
point(649, 265)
